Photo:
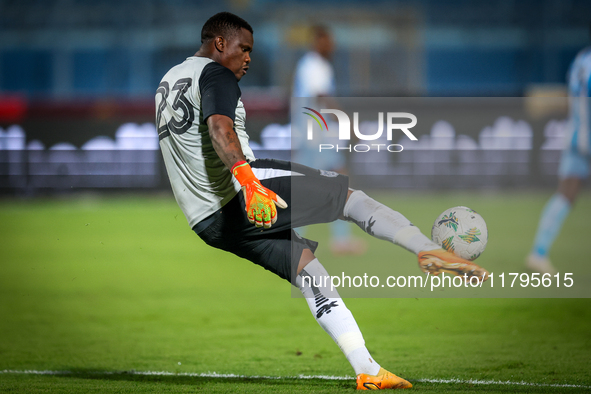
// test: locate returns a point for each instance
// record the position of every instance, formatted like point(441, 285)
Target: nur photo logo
point(394, 123)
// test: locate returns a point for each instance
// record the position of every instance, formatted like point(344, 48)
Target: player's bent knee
point(349, 192)
point(307, 256)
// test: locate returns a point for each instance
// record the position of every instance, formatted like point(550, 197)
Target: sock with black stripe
point(334, 317)
point(384, 223)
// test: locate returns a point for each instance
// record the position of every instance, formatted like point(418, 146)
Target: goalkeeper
point(231, 200)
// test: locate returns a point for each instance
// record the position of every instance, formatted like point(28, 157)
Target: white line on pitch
point(320, 377)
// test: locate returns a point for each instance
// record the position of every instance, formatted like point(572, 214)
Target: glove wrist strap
point(243, 172)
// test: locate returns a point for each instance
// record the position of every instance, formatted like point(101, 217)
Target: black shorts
point(313, 196)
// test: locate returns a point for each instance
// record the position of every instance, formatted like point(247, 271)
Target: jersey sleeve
point(219, 91)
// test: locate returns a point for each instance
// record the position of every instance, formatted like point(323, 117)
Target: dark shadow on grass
point(251, 384)
point(205, 382)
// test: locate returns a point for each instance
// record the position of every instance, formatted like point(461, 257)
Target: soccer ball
point(462, 231)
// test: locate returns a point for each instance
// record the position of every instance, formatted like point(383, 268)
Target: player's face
point(236, 57)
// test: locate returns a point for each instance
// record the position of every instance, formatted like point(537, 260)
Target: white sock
point(333, 316)
point(384, 223)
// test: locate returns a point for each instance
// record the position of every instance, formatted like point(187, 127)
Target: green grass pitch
point(106, 289)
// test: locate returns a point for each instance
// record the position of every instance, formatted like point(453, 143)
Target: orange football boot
point(439, 260)
point(383, 380)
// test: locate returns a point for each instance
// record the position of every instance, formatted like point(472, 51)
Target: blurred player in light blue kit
point(574, 164)
point(314, 79)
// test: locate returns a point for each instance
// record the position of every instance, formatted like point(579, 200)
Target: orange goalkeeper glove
point(260, 201)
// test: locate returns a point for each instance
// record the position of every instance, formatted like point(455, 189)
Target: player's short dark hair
point(223, 24)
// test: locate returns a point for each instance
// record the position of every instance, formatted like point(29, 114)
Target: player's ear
point(219, 43)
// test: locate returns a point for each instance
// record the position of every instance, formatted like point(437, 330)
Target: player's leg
point(336, 319)
point(384, 223)
point(317, 196)
point(332, 315)
point(291, 257)
point(281, 251)
point(277, 248)
point(324, 196)
point(573, 168)
point(551, 221)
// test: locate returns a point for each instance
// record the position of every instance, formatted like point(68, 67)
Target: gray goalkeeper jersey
point(187, 95)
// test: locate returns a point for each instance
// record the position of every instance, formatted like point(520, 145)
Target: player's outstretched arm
point(224, 139)
point(260, 201)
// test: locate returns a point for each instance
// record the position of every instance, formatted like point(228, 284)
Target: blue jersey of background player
point(574, 163)
point(578, 148)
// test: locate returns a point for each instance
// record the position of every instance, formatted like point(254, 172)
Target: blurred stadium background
point(77, 80)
